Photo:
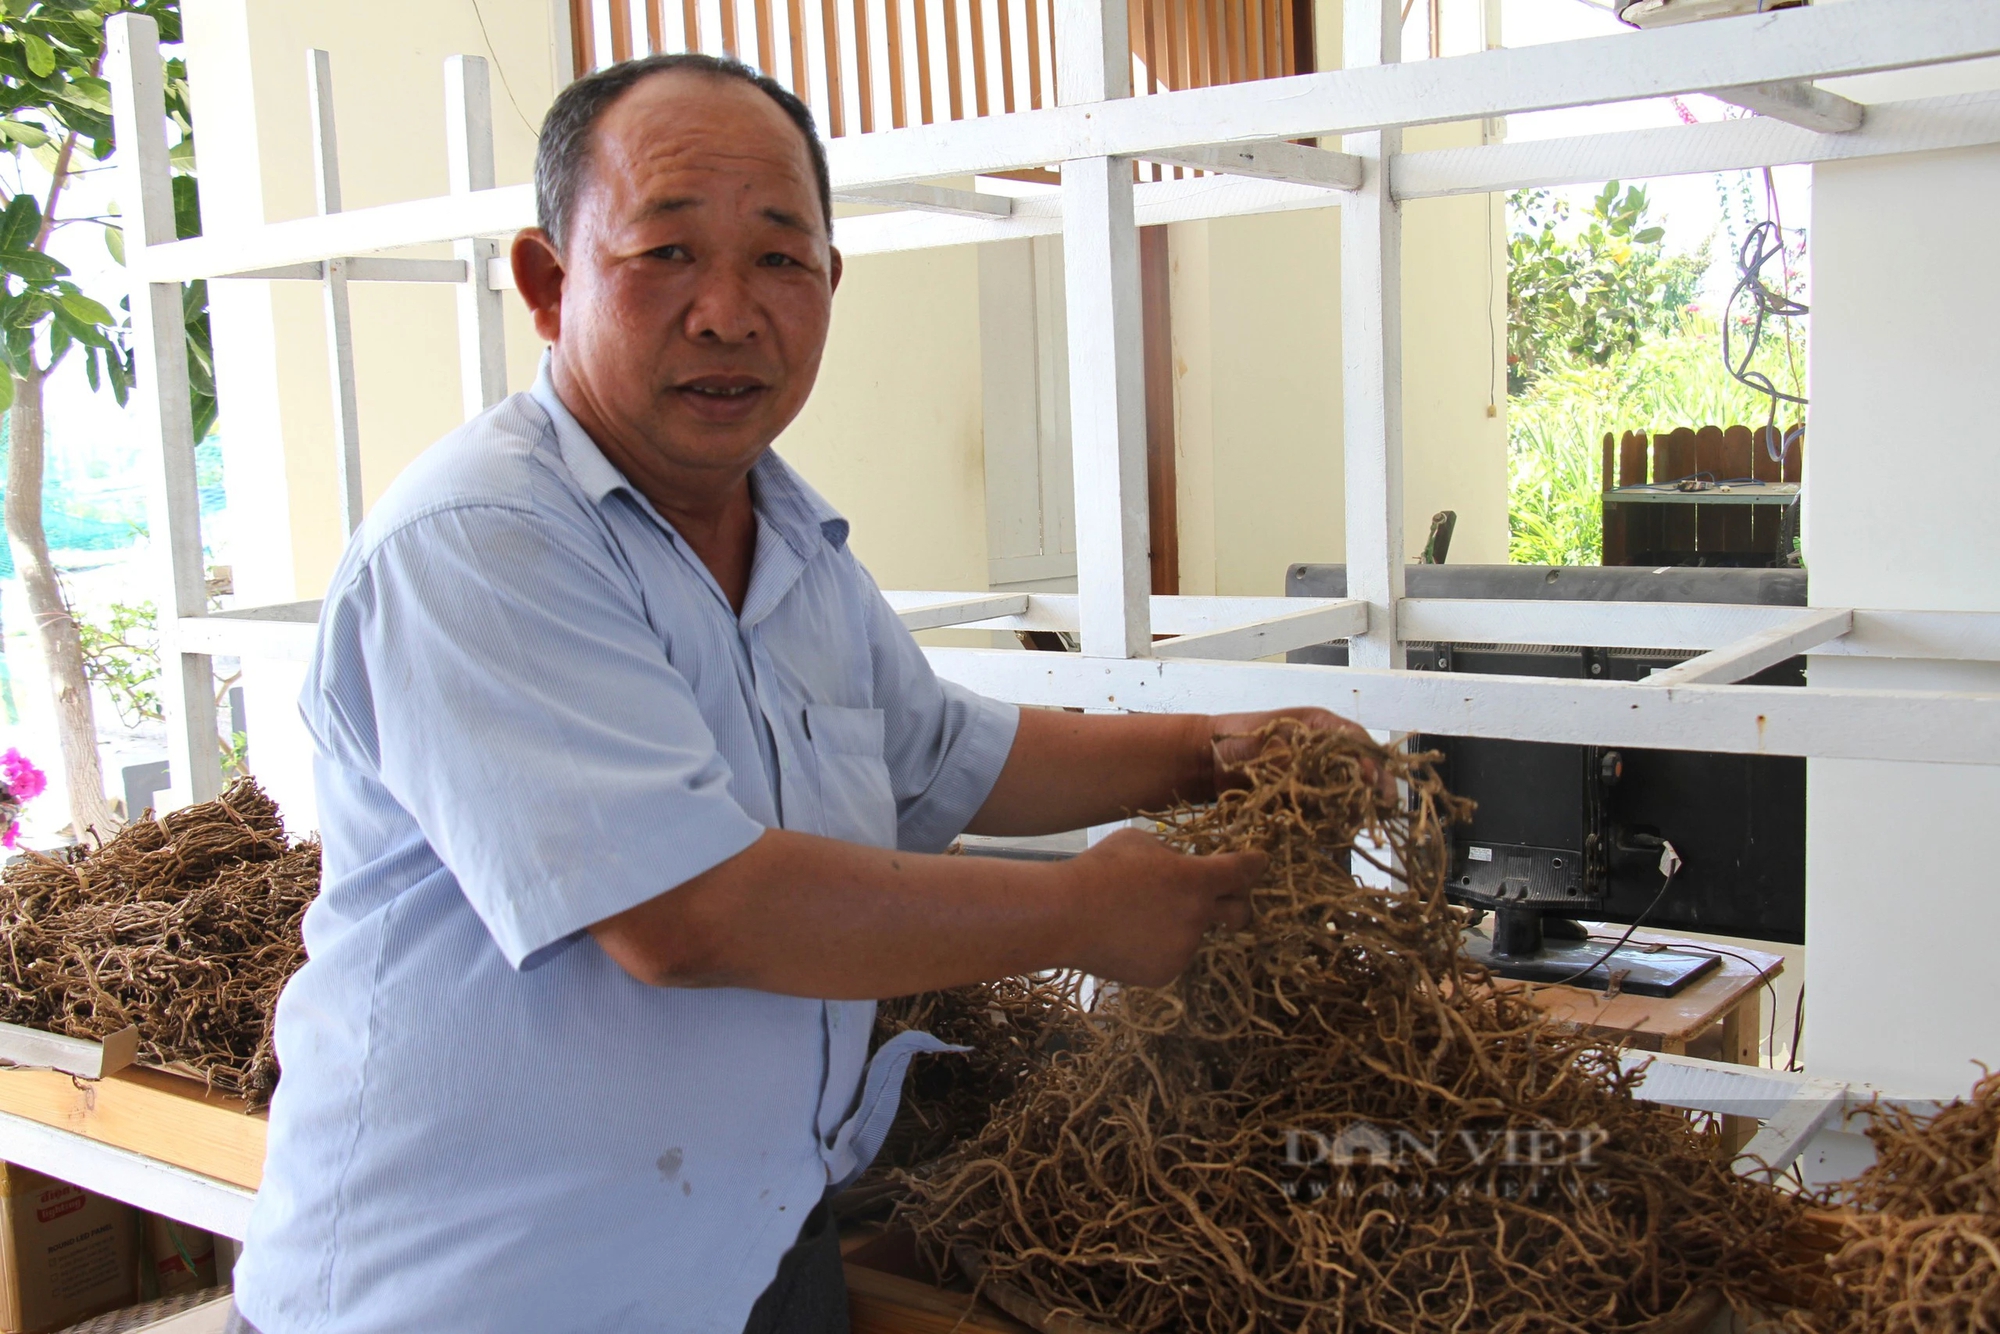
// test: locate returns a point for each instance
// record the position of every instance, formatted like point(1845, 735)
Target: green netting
point(111, 517)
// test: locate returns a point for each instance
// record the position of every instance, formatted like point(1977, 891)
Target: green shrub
point(1556, 429)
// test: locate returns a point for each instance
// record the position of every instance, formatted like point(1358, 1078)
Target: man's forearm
point(1068, 770)
point(810, 916)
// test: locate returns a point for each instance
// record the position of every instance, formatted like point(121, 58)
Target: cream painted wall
point(1256, 312)
point(247, 61)
point(1273, 372)
point(1256, 315)
point(892, 433)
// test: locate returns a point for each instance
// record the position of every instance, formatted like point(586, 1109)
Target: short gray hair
point(562, 159)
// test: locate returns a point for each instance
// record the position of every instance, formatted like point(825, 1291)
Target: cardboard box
point(179, 1259)
point(66, 1254)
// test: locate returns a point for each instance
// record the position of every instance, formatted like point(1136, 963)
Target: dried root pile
point(1012, 1026)
point(187, 926)
point(1920, 1251)
point(1334, 1122)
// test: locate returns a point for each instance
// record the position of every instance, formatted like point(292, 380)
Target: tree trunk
point(61, 647)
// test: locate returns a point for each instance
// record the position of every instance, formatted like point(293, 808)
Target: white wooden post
point(339, 324)
point(1107, 387)
point(1371, 337)
point(160, 405)
point(468, 132)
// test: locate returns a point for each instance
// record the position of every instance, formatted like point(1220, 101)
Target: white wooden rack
point(1244, 131)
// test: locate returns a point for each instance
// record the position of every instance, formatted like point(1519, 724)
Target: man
point(629, 784)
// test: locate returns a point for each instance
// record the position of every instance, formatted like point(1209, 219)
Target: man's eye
point(668, 252)
point(775, 260)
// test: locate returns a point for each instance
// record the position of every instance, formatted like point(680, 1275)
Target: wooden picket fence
point(1650, 533)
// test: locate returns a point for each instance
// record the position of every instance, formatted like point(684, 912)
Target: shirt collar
point(781, 496)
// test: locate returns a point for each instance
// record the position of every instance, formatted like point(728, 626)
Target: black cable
point(1798, 1031)
point(1798, 1013)
point(1765, 242)
point(1585, 971)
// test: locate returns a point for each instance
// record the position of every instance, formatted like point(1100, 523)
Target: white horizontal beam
point(1963, 636)
point(1918, 126)
point(1932, 726)
point(958, 611)
point(1266, 638)
point(1699, 1085)
point(86, 1058)
point(1922, 125)
point(366, 269)
point(1154, 204)
point(930, 199)
point(497, 212)
point(1171, 615)
point(285, 631)
point(1794, 1107)
point(1274, 161)
point(1861, 36)
point(1753, 653)
point(1858, 37)
point(159, 1187)
point(1798, 103)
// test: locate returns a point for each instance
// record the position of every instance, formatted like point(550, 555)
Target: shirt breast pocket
point(856, 801)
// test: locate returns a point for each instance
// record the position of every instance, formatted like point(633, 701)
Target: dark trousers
point(807, 1296)
point(809, 1293)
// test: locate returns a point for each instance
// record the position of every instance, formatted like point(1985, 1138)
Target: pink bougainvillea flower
point(12, 837)
point(22, 779)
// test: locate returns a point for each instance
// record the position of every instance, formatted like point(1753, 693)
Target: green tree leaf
point(21, 223)
point(22, 133)
point(41, 56)
point(85, 310)
point(30, 266)
point(187, 208)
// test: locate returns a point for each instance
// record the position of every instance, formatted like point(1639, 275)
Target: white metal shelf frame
point(1092, 133)
point(1205, 664)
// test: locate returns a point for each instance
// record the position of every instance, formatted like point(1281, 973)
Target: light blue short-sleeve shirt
point(534, 708)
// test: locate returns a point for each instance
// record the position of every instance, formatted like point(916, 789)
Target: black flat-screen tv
point(1575, 831)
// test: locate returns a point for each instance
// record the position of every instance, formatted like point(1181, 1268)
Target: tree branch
point(57, 178)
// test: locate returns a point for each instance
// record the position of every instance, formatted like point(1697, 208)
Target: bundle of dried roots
point(187, 926)
point(1333, 1121)
point(1919, 1249)
point(1012, 1026)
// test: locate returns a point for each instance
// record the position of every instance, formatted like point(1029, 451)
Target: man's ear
point(835, 270)
point(538, 275)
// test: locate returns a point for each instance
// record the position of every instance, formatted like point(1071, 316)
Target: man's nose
point(723, 309)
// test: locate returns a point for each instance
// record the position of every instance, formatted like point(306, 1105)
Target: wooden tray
point(888, 1294)
point(169, 1117)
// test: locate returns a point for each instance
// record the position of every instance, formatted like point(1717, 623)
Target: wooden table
point(1719, 1016)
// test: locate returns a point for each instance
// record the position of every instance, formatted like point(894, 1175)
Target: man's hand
point(1139, 909)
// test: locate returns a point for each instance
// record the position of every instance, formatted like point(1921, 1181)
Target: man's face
point(698, 280)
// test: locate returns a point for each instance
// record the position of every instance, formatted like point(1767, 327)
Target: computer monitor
point(1564, 832)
